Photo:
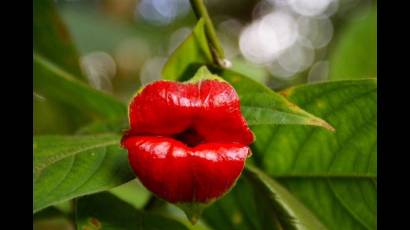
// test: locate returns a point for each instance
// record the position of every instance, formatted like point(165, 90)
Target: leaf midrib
point(311, 120)
point(287, 107)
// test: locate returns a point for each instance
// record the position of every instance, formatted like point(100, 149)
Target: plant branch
point(200, 10)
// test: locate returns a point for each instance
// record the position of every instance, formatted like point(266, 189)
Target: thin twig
point(200, 11)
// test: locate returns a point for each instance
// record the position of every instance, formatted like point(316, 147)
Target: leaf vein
point(345, 206)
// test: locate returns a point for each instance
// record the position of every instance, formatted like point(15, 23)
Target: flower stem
point(200, 11)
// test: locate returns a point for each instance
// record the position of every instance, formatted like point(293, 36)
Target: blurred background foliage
point(121, 45)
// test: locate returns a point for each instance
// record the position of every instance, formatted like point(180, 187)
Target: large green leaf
point(66, 167)
point(105, 211)
point(189, 56)
point(355, 53)
point(333, 174)
point(259, 202)
point(53, 82)
point(262, 106)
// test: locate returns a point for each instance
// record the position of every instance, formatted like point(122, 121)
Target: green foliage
point(259, 202)
point(333, 174)
point(133, 193)
point(189, 56)
point(105, 211)
point(54, 82)
point(66, 167)
point(354, 56)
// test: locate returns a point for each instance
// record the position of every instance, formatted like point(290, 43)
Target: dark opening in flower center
point(189, 137)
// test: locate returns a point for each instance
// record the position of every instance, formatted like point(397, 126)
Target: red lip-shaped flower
point(188, 142)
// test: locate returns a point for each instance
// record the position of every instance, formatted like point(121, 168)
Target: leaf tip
point(329, 127)
point(202, 74)
point(322, 123)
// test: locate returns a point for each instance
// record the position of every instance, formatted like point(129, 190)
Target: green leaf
point(66, 167)
point(259, 202)
point(291, 213)
point(251, 70)
point(189, 56)
point(203, 74)
point(53, 82)
point(133, 192)
point(355, 53)
point(105, 211)
point(333, 174)
point(262, 106)
point(51, 38)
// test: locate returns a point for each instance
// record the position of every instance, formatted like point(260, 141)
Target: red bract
point(188, 142)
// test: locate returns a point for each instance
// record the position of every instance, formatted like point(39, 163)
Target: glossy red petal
point(162, 108)
point(210, 107)
point(178, 173)
point(220, 117)
point(216, 169)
